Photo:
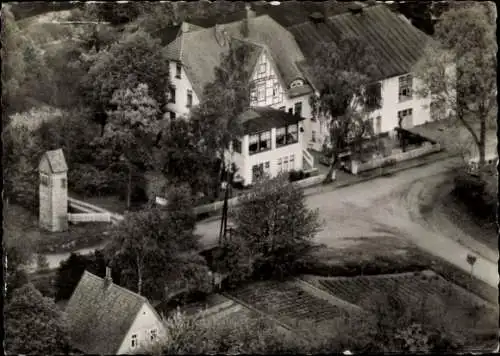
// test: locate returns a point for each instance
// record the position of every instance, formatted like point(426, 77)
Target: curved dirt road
point(385, 206)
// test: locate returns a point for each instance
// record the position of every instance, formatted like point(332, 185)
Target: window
point(253, 96)
point(63, 183)
point(172, 115)
point(153, 334)
point(172, 94)
point(285, 163)
point(259, 142)
point(189, 98)
point(267, 168)
point(378, 123)
point(257, 171)
point(405, 87)
point(265, 141)
point(313, 136)
point(290, 111)
point(292, 134)
point(292, 162)
point(44, 179)
point(237, 145)
point(286, 135)
point(133, 343)
point(178, 70)
point(261, 92)
point(283, 108)
point(262, 68)
point(275, 89)
point(374, 95)
point(279, 165)
point(298, 108)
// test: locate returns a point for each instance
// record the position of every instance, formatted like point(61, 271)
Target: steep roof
point(167, 34)
point(101, 316)
point(200, 52)
point(289, 13)
point(56, 160)
point(396, 41)
point(258, 119)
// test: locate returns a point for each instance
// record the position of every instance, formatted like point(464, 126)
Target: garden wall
point(217, 206)
point(89, 217)
point(356, 167)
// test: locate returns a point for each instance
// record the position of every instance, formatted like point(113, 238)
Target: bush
point(294, 176)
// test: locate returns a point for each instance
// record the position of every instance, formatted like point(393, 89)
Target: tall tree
point(224, 100)
point(459, 70)
point(132, 130)
point(149, 246)
point(184, 157)
point(136, 59)
point(34, 325)
point(273, 229)
point(345, 74)
point(13, 65)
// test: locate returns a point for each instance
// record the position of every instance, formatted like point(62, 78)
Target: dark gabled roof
point(211, 21)
point(289, 13)
point(200, 52)
point(397, 43)
point(167, 34)
point(57, 161)
point(258, 119)
point(101, 316)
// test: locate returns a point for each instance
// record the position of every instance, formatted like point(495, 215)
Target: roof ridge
point(144, 299)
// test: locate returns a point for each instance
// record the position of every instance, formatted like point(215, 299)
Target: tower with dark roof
point(53, 191)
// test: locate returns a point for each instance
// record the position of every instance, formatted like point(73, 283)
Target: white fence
point(89, 217)
point(356, 167)
point(217, 206)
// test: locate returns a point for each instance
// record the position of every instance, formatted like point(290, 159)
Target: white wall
point(145, 321)
point(269, 80)
point(389, 111)
point(182, 85)
point(391, 105)
point(245, 161)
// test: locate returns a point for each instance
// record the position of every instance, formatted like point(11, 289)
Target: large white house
point(280, 73)
point(398, 45)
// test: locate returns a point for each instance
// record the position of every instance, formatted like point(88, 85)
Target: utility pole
point(223, 226)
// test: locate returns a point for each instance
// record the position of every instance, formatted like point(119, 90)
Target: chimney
point(317, 17)
point(108, 280)
point(250, 12)
point(356, 8)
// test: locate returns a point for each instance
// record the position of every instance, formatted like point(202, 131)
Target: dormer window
point(297, 83)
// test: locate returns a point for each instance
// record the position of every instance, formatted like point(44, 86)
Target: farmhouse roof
point(397, 43)
point(200, 52)
point(101, 314)
point(56, 161)
point(258, 119)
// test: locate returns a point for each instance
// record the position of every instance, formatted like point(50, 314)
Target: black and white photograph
point(249, 177)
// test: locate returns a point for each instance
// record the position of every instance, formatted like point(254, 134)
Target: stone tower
point(53, 191)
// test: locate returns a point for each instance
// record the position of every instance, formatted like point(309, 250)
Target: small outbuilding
point(53, 191)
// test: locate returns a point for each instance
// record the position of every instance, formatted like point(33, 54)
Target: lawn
point(21, 225)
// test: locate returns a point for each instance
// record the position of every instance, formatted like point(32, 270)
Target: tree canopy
point(273, 231)
point(346, 77)
point(459, 69)
point(153, 245)
point(34, 325)
point(137, 58)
